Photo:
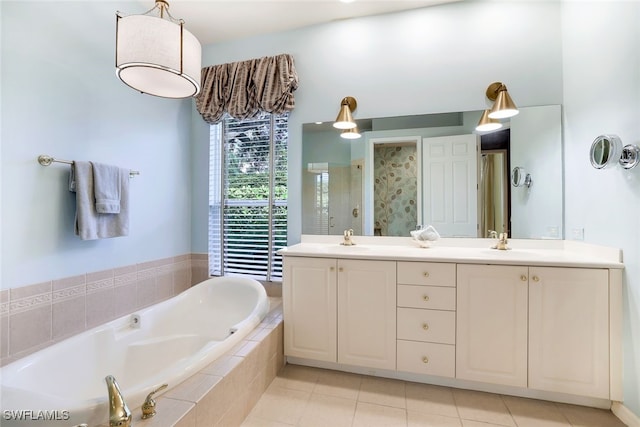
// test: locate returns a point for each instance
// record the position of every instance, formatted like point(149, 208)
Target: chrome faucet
point(501, 245)
point(119, 413)
point(347, 238)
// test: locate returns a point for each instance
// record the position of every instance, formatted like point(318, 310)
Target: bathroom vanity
point(542, 319)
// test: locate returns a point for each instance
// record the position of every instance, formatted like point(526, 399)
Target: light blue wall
point(601, 89)
point(60, 96)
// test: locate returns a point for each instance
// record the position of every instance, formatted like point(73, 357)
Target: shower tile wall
point(36, 316)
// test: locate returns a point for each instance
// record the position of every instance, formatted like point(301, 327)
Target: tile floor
point(309, 397)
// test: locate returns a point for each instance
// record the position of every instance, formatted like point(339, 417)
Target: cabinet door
point(367, 313)
point(491, 333)
point(309, 308)
point(569, 330)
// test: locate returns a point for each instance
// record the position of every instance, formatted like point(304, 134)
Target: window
point(248, 196)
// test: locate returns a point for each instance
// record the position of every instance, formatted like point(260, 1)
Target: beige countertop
point(561, 253)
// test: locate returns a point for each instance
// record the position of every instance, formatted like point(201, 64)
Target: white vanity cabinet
point(426, 318)
point(340, 311)
point(569, 330)
point(492, 324)
point(545, 328)
point(309, 289)
point(541, 321)
point(367, 313)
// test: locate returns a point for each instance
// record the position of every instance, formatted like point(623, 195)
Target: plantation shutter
point(248, 196)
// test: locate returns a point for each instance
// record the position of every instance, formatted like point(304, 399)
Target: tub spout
point(119, 413)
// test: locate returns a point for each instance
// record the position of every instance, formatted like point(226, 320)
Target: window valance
point(243, 89)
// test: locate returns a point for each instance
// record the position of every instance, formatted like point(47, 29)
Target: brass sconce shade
point(487, 124)
point(503, 107)
point(345, 119)
point(352, 133)
point(155, 54)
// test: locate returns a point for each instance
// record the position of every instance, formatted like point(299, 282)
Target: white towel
point(107, 187)
point(90, 224)
point(425, 234)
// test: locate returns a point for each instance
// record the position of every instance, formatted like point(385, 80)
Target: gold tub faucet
point(119, 413)
point(149, 405)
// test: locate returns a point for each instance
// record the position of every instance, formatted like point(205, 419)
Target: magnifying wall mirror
point(605, 151)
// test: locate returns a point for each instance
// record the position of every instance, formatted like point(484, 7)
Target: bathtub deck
point(224, 392)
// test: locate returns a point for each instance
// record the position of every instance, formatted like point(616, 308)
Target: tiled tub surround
point(35, 316)
point(224, 392)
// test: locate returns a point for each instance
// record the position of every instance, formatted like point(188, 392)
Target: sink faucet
point(501, 245)
point(493, 234)
point(119, 413)
point(347, 238)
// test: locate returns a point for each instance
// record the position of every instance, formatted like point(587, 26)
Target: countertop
point(560, 253)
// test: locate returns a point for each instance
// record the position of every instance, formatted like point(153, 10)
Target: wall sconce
point(345, 119)
point(503, 106)
point(607, 151)
point(155, 54)
point(487, 124)
point(352, 133)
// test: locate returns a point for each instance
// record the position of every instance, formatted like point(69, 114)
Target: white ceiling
point(214, 21)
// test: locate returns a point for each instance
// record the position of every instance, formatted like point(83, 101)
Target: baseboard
point(625, 414)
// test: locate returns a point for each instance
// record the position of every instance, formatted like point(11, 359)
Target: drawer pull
point(536, 279)
point(332, 268)
point(425, 274)
point(425, 359)
point(425, 326)
point(523, 278)
point(425, 298)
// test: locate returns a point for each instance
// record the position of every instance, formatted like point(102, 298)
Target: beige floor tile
point(297, 377)
point(484, 407)
point(370, 415)
point(383, 391)
point(252, 421)
point(471, 423)
point(581, 416)
point(281, 404)
point(431, 399)
point(338, 384)
point(535, 413)
point(419, 419)
point(324, 411)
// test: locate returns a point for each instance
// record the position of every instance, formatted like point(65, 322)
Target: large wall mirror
point(433, 169)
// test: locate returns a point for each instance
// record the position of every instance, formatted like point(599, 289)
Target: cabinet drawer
point(426, 358)
point(427, 273)
point(431, 297)
point(427, 325)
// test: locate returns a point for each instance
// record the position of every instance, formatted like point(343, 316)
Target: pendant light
point(156, 55)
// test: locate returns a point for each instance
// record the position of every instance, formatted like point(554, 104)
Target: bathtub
point(164, 343)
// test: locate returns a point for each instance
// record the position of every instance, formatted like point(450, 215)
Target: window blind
point(248, 196)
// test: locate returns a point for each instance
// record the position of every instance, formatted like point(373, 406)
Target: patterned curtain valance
point(243, 89)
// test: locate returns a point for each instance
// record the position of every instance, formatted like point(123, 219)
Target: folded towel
point(89, 223)
point(426, 234)
point(106, 185)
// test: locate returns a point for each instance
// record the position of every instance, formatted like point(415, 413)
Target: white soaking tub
point(64, 384)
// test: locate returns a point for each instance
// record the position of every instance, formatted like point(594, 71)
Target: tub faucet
point(119, 413)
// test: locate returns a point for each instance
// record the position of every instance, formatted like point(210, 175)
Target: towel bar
point(46, 160)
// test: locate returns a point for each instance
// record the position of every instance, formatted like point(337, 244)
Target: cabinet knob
point(425, 274)
point(332, 269)
point(425, 326)
point(425, 298)
point(536, 279)
point(523, 278)
point(425, 359)
point(341, 269)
